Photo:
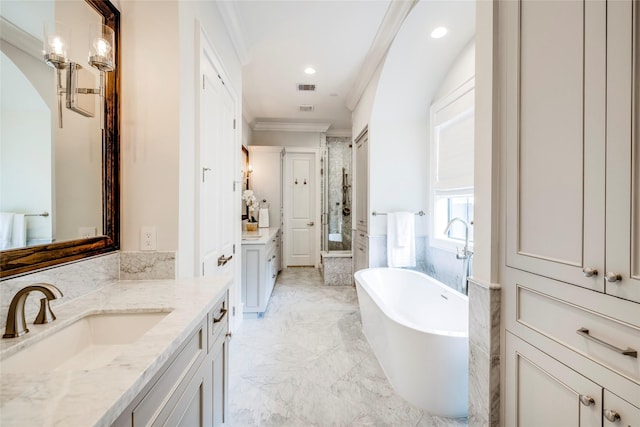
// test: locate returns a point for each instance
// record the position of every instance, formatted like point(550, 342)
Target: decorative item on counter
point(263, 215)
point(252, 205)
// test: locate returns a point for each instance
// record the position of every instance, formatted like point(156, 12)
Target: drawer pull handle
point(625, 352)
point(612, 416)
point(587, 400)
point(589, 272)
point(223, 312)
point(613, 277)
point(222, 260)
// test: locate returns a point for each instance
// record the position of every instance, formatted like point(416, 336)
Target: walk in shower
point(337, 211)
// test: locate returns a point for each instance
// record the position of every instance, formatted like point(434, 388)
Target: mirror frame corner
point(17, 262)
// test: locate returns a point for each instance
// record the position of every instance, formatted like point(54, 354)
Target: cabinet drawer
point(599, 337)
point(219, 319)
point(152, 409)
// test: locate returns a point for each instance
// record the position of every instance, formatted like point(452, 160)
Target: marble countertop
point(97, 397)
point(259, 237)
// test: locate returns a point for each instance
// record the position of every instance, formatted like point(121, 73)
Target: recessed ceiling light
point(309, 70)
point(439, 32)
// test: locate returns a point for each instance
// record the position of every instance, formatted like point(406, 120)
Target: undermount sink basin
point(89, 343)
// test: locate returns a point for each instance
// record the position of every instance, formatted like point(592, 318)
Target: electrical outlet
point(84, 232)
point(148, 238)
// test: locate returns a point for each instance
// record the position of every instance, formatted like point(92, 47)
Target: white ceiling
point(277, 40)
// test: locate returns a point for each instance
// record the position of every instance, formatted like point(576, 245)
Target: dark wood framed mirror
point(15, 262)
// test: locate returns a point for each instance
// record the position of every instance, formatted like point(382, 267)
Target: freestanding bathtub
point(418, 329)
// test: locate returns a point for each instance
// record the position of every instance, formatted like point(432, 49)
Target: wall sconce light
point(249, 171)
point(101, 57)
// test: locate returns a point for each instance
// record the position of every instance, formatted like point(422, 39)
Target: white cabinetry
point(260, 266)
point(361, 246)
point(571, 277)
point(545, 392)
point(361, 251)
point(191, 389)
point(362, 182)
point(571, 154)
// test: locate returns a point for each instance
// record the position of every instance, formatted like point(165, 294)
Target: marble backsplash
point(80, 278)
point(74, 280)
point(147, 265)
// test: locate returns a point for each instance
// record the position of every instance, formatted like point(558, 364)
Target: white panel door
point(217, 187)
point(623, 146)
point(300, 209)
point(541, 391)
point(555, 116)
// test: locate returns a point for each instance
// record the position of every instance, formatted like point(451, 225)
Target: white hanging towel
point(401, 240)
point(19, 233)
point(6, 229)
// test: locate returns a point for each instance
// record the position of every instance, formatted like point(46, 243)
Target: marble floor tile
point(307, 363)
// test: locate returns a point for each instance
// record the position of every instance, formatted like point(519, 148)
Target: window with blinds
point(452, 142)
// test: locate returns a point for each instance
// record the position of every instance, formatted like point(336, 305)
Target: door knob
point(587, 400)
point(310, 224)
point(589, 272)
point(612, 416)
point(613, 277)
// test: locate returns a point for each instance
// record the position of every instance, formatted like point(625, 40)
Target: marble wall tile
point(339, 157)
point(440, 264)
point(147, 265)
point(73, 279)
point(484, 354)
point(337, 271)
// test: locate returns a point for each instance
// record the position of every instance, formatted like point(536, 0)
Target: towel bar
point(374, 213)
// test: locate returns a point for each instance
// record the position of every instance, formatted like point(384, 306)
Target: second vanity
point(261, 262)
point(174, 373)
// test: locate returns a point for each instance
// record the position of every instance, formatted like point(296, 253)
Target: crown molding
point(234, 29)
point(290, 127)
point(391, 23)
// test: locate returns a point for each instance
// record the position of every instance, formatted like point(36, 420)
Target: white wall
point(150, 111)
point(265, 180)
point(361, 115)
point(398, 101)
point(287, 139)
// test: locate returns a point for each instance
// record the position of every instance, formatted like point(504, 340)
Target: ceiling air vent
point(307, 108)
point(306, 87)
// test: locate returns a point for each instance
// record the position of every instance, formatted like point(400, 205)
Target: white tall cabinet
point(571, 272)
point(361, 240)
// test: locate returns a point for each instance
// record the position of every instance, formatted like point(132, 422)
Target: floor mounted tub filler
point(418, 329)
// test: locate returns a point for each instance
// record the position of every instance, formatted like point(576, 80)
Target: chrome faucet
point(466, 253)
point(16, 323)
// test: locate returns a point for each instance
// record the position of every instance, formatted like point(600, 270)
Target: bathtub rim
point(382, 306)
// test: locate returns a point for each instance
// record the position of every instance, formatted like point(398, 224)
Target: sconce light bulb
point(57, 46)
point(101, 46)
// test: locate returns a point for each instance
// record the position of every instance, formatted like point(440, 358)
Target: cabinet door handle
point(613, 277)
point(589, 272)
point(587, 400)
point(610, 415)
point(222, 260)
point(310, 224)
point(223, 312)
point(625, 352)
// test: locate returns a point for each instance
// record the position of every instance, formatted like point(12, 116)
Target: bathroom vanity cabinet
point(571, 276)
point(261, 262)
point(192, 387)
